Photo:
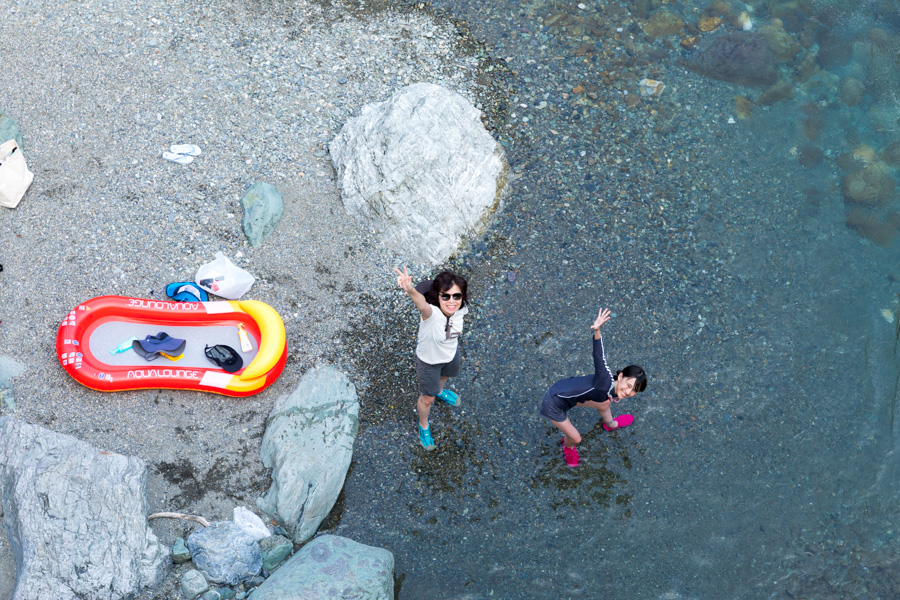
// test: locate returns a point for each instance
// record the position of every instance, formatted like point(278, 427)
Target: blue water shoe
point(425, 437)
point(449, 397)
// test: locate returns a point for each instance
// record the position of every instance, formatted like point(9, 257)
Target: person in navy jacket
point(591, 391)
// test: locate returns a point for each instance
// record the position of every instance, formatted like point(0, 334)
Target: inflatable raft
point(89, 334)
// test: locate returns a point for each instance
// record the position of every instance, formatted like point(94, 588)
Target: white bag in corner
point(223, 278)
point(14, 174)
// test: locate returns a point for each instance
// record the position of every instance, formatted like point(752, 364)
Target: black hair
point(443, 282)
point(640, 378)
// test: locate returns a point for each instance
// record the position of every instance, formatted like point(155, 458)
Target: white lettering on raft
point(169, 373)
point(162, 305)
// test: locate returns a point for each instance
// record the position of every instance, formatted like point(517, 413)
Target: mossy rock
point(9, 130)
point(872, 185)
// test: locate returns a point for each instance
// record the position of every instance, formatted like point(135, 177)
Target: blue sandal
point(449, 397)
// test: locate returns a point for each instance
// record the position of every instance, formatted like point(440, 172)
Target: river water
point(762, 304)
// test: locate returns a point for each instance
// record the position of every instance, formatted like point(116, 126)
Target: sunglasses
point(446, 297)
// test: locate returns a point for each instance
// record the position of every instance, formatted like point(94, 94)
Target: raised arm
point(405, 282)
point(602, 375)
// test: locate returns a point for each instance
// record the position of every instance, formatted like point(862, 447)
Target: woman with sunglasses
point(591, 391)
point(437, 353)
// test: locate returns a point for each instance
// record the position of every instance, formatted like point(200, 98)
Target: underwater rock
point(834, 49)
point(865, 153)
point(813, 121)
point(782, 44)
point(779, 92)
point(852, 91)
point(847, 163)
point(867, 224)
point(708, 24)
point(663, 24)
point(743, 106)
point(739, 57)
point(722, 9)
point(807, 68)
point(651, 87)
point(690, 42)
point(810, 156)
point(891, 154)
point(872, 185)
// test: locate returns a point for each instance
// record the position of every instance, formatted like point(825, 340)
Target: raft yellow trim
point(271, 342)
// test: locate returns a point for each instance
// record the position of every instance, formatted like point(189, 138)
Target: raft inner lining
point(112, 333)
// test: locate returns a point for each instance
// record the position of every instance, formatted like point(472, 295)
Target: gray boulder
point(9, 130)
point(275, 549)
point(421, 168)
point(332, 567)
point(308, 445)
point(263, 207)
point(76, 518)
point(224, 553)
point(9, 368)
point(193, 583)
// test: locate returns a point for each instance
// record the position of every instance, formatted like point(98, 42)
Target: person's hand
point(613, 425)
point(602, 318)
point(404, 280)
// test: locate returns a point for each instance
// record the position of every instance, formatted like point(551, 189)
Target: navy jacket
point(597, 387)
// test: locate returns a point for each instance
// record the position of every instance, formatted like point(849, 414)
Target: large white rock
point(76, 518)
point(421, 168)
point(308, 445)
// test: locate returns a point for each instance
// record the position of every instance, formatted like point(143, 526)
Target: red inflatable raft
point(89, 334)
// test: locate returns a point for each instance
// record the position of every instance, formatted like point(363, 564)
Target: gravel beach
point(99, 91)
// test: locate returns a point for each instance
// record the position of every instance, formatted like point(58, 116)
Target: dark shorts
point(429, 376)
point(553, 408)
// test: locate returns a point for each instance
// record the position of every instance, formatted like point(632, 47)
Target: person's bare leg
point(572, 437)
point(423, 407)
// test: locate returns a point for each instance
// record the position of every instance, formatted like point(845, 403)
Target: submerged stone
point(663, 24)
point(865, 222)
point(873, 185)
point(740, 57)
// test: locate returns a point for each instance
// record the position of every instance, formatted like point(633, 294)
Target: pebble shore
point(99, 91)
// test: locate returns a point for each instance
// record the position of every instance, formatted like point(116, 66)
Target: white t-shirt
point(434, 346)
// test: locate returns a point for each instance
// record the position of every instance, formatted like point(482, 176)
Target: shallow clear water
point(762, 461)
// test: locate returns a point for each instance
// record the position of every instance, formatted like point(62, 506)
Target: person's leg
point(572, 437)
point(423, 407)
point(450, 369)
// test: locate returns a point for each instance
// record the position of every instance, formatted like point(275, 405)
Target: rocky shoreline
point(98, 93)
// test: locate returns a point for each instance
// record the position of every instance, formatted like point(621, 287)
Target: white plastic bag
point(250, 523)
point(14, 174)
point(222, 278)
